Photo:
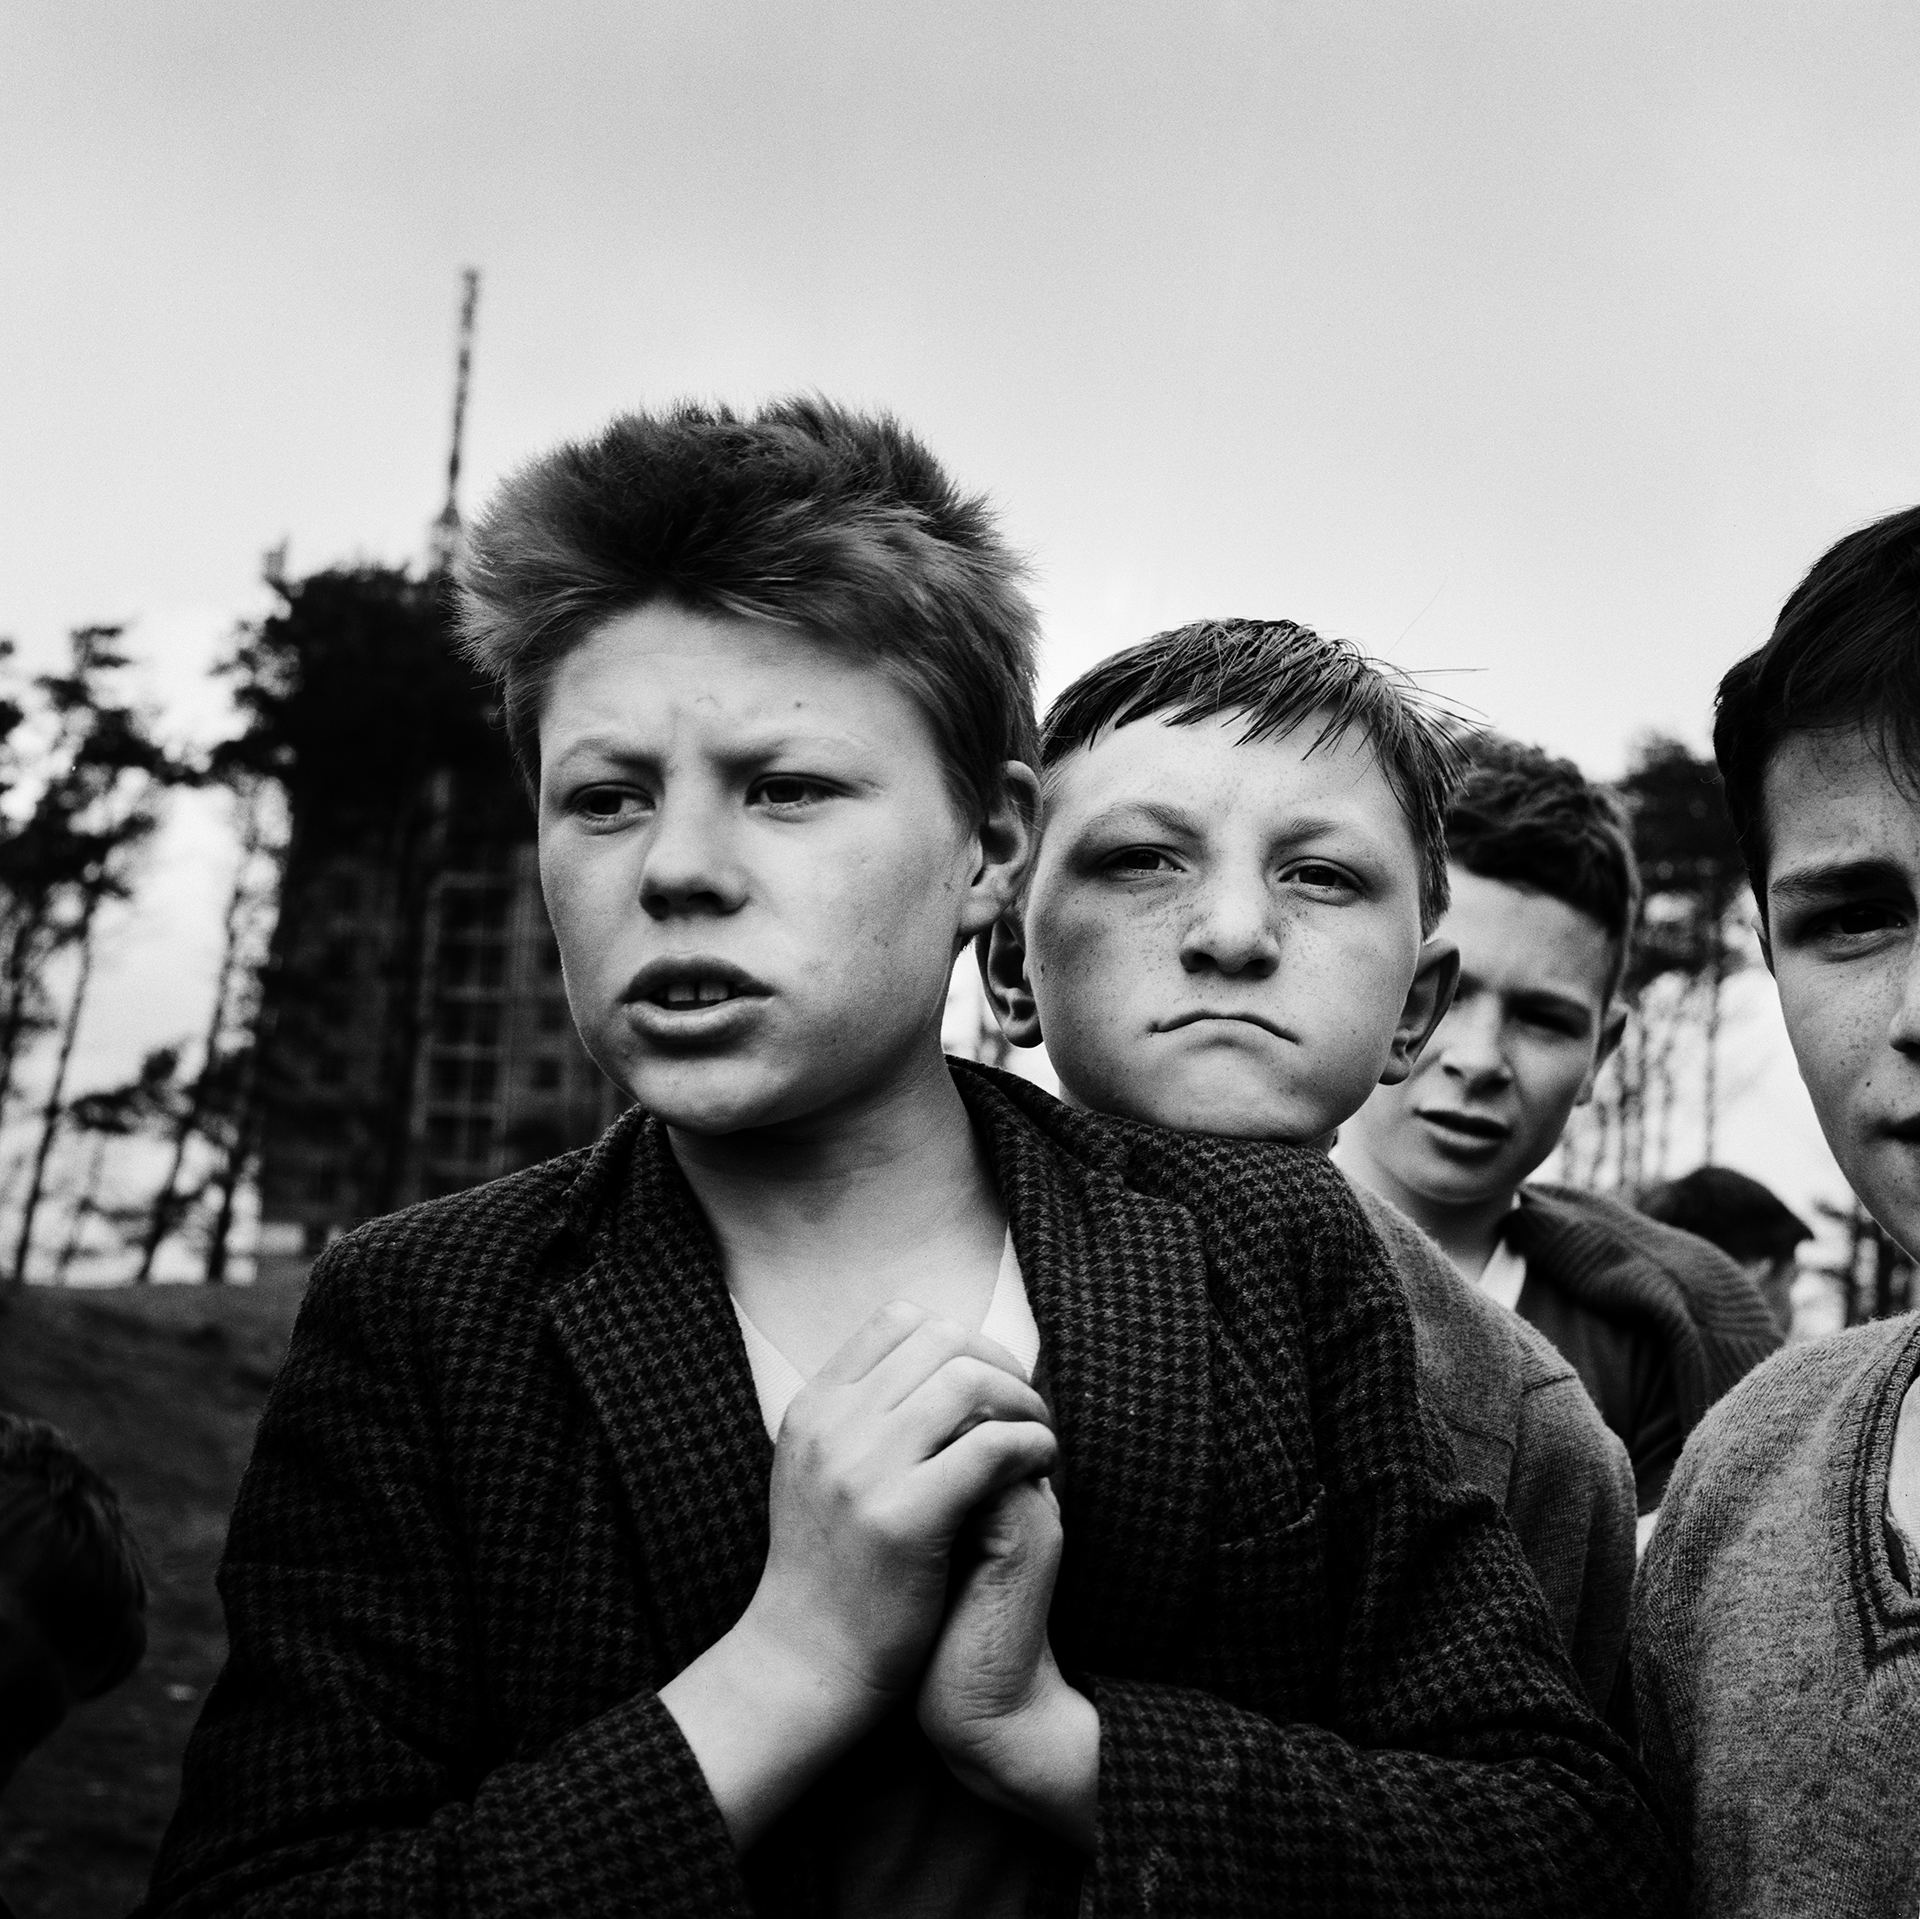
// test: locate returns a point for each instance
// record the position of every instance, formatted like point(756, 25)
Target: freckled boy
point(1227, 931)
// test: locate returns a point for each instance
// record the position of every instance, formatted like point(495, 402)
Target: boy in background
point(72, 1597)
point(663, 1528)
point(1777, 1621)
point(1227, 931)
point(1749, 1222)
point(1657, 1324)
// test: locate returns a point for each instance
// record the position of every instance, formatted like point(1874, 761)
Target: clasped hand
point(920, 1449)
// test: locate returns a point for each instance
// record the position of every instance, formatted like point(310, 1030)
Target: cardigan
point(512, 1478)
point(1657, 1323)
point(1525, 1431)
point(1777, 1655)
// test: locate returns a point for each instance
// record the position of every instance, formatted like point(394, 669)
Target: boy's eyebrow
point(1172, 818)
point(1544, 999)
point(1822, 880)
point(778, 738)
point(1534, 996)
point(1162, 813)
point(607, 746)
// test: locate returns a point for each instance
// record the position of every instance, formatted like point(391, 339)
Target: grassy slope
point(160, 1388)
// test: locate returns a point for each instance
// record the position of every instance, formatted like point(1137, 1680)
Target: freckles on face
point(753, 866)
point(1843, 899)
point(1221, 933)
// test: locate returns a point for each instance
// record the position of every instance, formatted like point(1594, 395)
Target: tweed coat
point(513, 1477)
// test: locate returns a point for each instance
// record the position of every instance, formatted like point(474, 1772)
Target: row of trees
point(1661, 1097)
point(359, 737)
point(84, 778)
point(347, 699)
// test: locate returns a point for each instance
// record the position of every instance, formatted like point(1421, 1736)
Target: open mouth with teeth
point(690, 992)
point(697, 997)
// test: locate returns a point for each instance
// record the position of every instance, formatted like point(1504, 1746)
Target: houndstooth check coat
point(513, 1477)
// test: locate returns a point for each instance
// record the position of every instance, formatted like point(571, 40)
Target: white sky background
point(1543, 344)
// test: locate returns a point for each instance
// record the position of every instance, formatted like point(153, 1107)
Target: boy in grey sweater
point(1777, 1622)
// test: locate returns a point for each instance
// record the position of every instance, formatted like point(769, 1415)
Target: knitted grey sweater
point(1776, 1656)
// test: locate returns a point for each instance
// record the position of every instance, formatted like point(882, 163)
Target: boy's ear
point(1002, 953)
point(1428, 998)
point(1009, 836)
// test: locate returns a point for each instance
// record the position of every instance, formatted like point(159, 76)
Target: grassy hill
point(160, 1387)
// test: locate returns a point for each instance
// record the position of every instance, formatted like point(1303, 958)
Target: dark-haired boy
point(1749, 1222)
point(1227, 931)
point(1777, 1621)
point(1544, 889)
point(72, 1596)
point(599, 1549)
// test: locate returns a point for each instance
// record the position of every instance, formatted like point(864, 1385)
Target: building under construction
point(413, 1036)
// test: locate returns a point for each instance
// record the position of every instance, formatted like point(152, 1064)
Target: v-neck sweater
point(1776, 1654)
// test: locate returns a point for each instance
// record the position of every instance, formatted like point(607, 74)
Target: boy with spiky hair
point(1228, 930)
point(72, 1596)
point(668, 1528)
point(1777, 1621)
point(1545, 888)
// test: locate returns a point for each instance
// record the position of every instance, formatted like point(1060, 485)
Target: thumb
point(1019, 1527)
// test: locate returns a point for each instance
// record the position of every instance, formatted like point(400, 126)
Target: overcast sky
point(1542, 344)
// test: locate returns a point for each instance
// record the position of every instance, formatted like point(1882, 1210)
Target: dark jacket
point(1525, 1431)
point(513, 1478)
point(1657, 1323)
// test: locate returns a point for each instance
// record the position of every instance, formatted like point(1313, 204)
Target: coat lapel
point(1118, 1285)
point(644, 1318)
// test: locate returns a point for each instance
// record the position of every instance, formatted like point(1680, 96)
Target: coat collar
point(642, 1312)
point(1117, 1279)
point(1623, 1265)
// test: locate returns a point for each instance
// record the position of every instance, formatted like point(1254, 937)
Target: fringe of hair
point(838, 524)
point(1281, 675)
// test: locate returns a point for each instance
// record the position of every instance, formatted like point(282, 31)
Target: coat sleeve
point(1571, 1503)
point(1456, 1769)
point(341, 1764)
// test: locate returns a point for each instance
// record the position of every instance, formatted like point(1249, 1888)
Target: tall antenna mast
point(444, 541)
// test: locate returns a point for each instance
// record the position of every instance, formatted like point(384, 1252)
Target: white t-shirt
point(1505, 1274)
point(776, 1380)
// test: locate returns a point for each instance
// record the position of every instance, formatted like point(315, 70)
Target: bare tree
point(1875, 1275)
point(1688, 943)
point(89, 775)
point(53, 1110)
point(101, 1117)
point(204, 1110)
